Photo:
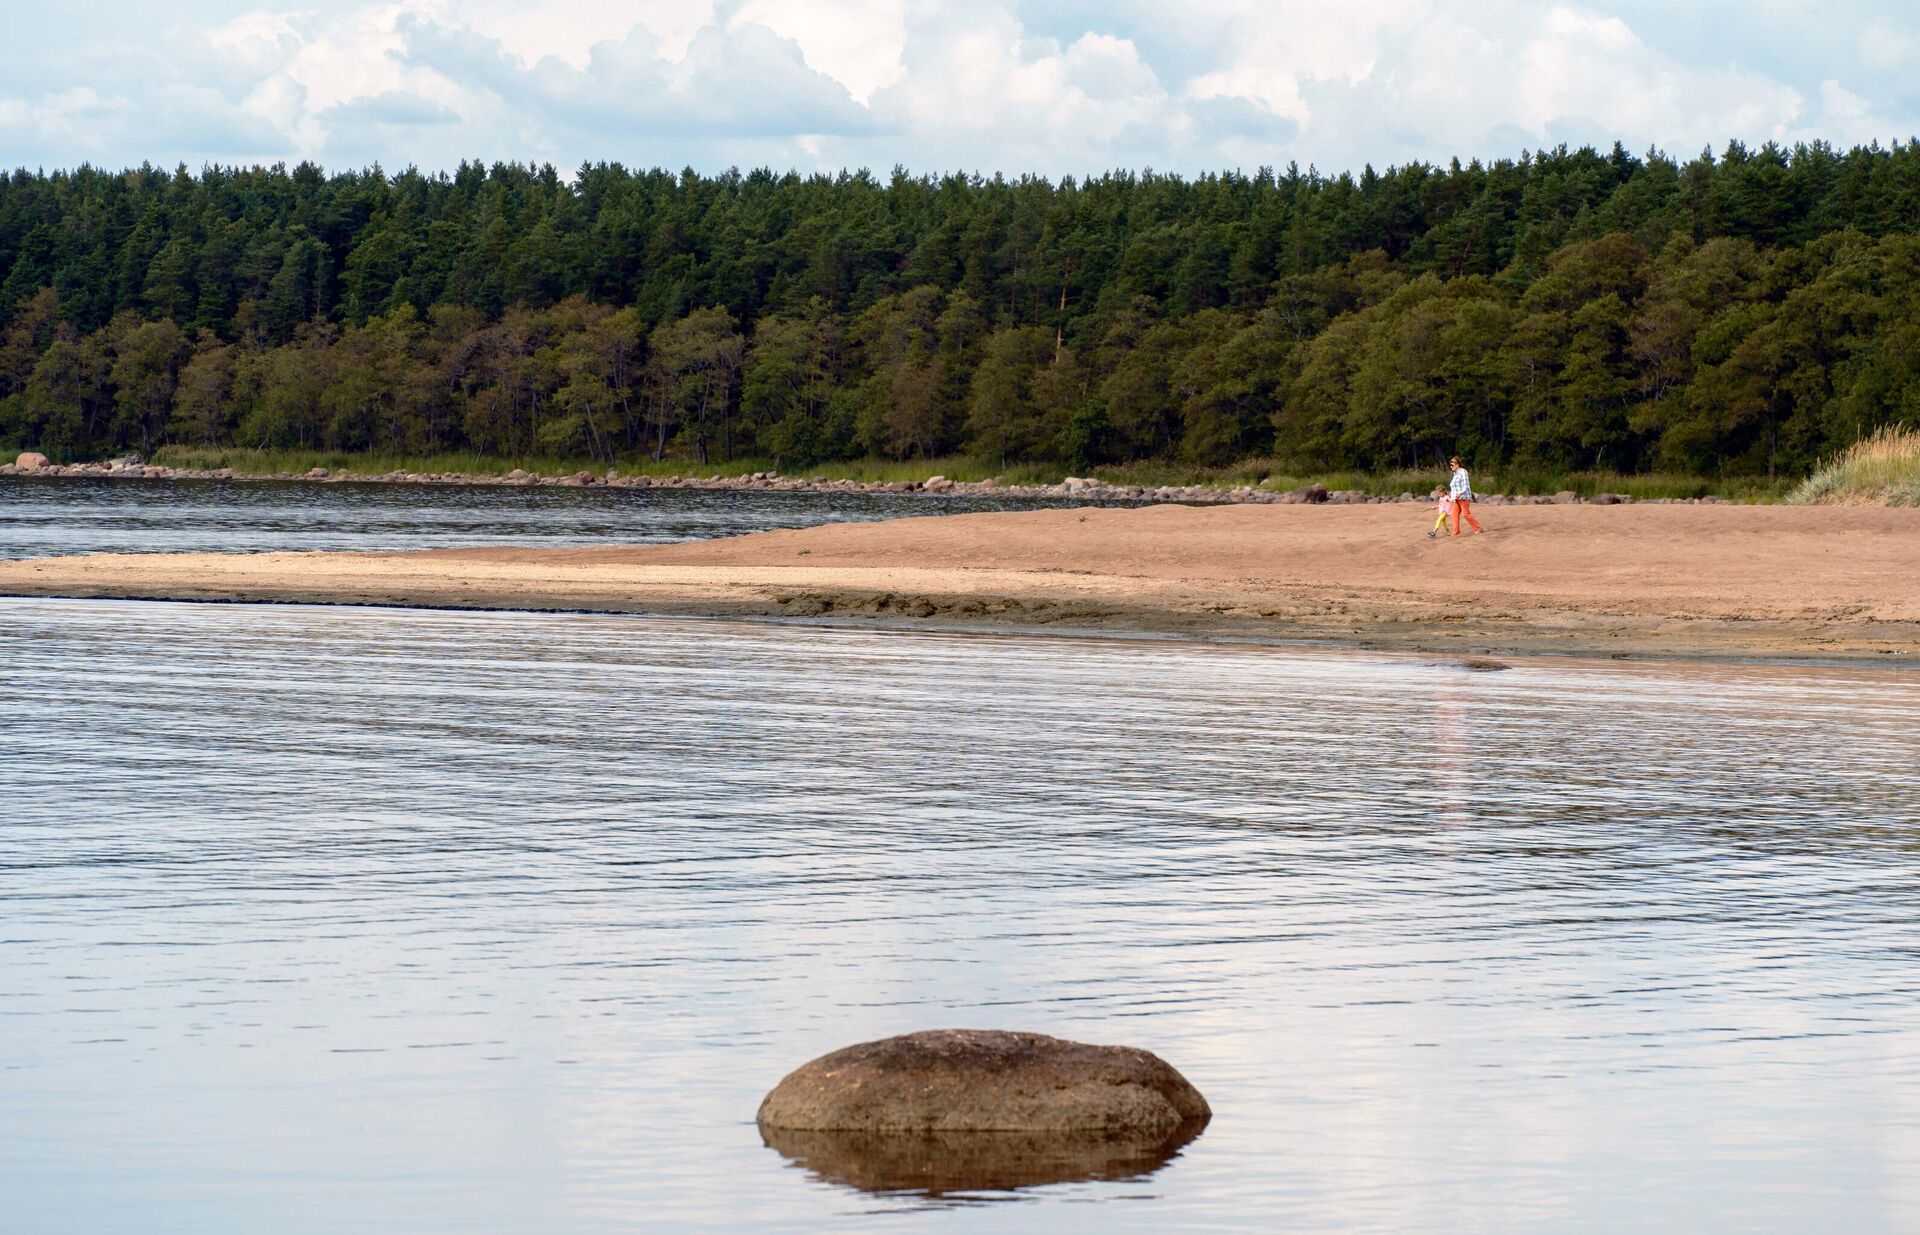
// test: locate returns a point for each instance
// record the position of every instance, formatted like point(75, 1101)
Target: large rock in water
point(964, 1110)
point(983, 1080)
point(31, 461)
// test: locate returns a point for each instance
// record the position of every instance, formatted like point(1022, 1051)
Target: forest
point(1738, 314)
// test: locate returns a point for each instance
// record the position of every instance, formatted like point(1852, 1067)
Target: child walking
point(1442, 509)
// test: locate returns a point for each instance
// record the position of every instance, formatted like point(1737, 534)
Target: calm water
point(322, 920)
point(61, 515)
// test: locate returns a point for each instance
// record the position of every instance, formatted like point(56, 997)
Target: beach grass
point(1879, 470)
point(1267, 473)
point(1276, 475)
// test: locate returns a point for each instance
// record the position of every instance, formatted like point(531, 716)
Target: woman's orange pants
point(1463, 509)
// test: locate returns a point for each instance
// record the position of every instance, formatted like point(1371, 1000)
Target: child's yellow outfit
point(1443, 510)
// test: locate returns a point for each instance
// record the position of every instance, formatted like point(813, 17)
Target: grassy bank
point(1268, 472)
point(269, 462)
point(1273, 474)
point(1882, 470)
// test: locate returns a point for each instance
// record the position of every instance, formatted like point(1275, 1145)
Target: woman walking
point(1460, 488)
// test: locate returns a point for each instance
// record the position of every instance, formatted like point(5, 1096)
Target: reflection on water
point(39, 517)
point(935, 1164)
point(322, 920)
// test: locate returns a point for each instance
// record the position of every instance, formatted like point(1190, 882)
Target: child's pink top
point(1445, 504)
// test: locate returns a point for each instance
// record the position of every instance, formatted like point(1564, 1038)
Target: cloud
point(175, 123)
point(1047, 86)
point(858, 43)
point(389, 107)
point(740, 81)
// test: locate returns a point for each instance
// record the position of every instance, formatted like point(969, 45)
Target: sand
point(1634, 580)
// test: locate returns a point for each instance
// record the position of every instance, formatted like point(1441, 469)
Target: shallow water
point(40, 517)
point(322, 920)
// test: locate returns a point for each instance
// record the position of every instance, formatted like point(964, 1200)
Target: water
point(316, 920)
point(72, 515)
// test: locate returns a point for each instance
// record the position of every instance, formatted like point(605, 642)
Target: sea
point(321, 919)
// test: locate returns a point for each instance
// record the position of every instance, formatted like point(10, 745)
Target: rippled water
point(39, 517)
point(326, 920)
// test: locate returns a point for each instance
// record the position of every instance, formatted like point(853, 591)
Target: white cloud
point(568, 30)
point(858, 43)
point(1011, 85)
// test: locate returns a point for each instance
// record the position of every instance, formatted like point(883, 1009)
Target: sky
point(1068, 87)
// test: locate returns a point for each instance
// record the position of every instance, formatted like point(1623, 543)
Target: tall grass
point(1275, 474)
point(1880, 470)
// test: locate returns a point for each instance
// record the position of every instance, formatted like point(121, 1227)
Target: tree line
point(1735, 314)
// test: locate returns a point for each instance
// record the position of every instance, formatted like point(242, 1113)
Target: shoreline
point(1471, 658)
point(1073, 487)
point(1745, 583)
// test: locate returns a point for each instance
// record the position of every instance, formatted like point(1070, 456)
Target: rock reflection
point(938, 1163)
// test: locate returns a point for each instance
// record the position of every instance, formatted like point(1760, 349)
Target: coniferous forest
point(1739, 314)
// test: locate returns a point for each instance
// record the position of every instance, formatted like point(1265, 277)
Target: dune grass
point(1275, 474)
point(1880, 470)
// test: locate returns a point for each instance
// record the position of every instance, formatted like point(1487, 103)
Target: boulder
point(1566, 497)
point(936, 484)
point(1604, 499)
point(318, 473)
point(982, 1080)
point(31, 461)
point(1309, 493)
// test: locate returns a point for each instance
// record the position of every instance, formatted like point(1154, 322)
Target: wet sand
point(1638, 580)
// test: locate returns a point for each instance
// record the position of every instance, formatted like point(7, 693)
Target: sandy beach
point(1634, 580)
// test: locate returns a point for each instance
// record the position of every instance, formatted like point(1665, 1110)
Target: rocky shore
point(1080, 488)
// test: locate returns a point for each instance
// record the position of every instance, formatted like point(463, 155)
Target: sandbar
point(1734, 582)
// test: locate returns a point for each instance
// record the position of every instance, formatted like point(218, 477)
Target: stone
point(31, 461)
point(936, 484)
point(984, 1080)
point(1309, 493)
point(318, 473)
point(1604, 499)
point(1566, 497)
point(1482, 664)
